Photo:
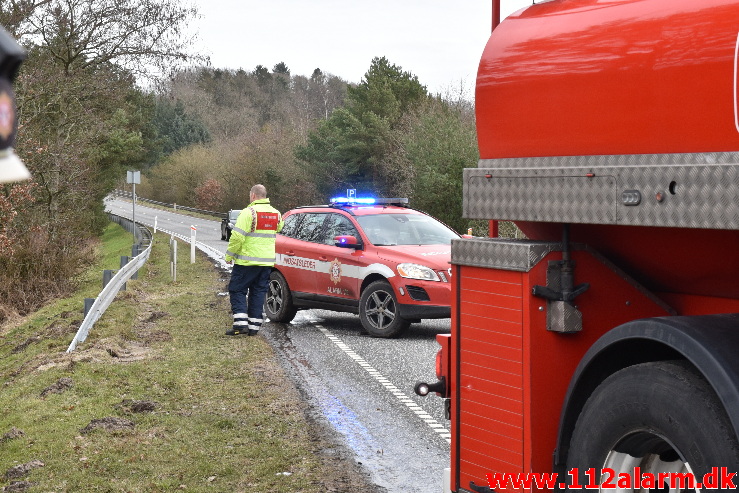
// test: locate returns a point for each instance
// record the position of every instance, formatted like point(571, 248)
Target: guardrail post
point(88, 304)
point(135, 251)
point(124, 261)
point(107, 276)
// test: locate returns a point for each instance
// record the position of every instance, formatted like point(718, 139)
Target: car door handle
point(323, 258)
point(290, 253)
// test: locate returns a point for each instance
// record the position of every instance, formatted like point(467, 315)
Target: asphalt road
point(361, 386)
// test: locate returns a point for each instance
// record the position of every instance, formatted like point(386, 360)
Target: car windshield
point(233, 215)
point(405, 229)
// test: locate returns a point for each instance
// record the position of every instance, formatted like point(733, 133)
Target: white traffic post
point(192, 244)
point(173, 258)
point(155, 224)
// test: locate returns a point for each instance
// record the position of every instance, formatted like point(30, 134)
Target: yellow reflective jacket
point(253, 238)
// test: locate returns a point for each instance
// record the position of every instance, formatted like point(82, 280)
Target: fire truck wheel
point(378, 311)
point(279, 302)
point(662, 417)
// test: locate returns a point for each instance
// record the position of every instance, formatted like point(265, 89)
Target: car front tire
point(279, 303)
point(378, 311)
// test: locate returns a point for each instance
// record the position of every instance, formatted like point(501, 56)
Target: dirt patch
point(149, 337)
point(61, 386)
point(12, 434)
point(22, 469)
point(108, 424)
point(18, 486)
point(125, 353)
point(146, 331)
point(23, 345)
point(129, 406)
point(56, 330)
point(155, 316)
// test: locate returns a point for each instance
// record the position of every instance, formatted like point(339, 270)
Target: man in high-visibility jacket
point(252, 251)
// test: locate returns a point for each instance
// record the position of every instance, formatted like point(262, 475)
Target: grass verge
point(157, 398)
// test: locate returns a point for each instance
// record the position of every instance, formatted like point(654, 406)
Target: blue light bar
point(345, 200)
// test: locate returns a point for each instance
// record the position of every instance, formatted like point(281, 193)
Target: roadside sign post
point(133, 177)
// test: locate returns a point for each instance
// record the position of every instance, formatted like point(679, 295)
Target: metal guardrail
point(123, 193)
point(107, 295)
point(141, 232)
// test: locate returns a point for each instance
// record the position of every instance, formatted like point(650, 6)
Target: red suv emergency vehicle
point(375, 257)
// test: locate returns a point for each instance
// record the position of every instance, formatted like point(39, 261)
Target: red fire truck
point(606, 344)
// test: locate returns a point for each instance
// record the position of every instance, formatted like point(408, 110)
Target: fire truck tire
point(662, 417)
point(278, 304)
point(378, 311)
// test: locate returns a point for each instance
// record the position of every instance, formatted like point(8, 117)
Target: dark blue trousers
point(247, 290)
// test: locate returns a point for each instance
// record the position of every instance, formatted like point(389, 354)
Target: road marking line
point(402, 397)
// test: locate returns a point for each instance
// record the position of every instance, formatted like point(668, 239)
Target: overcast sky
point(440, 41)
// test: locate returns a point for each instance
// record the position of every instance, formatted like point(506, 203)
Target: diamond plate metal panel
point(563, 317)
point(515, 255)
point(679, 190)
point(605, 161)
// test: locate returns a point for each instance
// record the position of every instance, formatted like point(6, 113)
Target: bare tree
point(137, 35)
point(14, 15)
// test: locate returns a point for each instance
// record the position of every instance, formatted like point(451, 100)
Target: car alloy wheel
point(278, 303)
point(378, 311)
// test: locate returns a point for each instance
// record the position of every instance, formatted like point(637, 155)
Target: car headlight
point(415, 271)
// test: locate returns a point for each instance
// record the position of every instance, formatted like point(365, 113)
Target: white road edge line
point(403, 398)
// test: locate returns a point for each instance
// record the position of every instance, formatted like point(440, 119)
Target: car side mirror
point(347, 242)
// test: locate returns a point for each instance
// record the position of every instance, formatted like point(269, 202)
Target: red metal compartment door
point(491, 395)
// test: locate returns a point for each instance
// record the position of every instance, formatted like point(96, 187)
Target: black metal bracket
point(565, 270)
point(552, 295)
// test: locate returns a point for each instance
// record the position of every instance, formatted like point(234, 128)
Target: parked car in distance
point(378, 258)
point(228, 223)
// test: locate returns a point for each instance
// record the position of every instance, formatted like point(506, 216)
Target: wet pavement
point(364, 388)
